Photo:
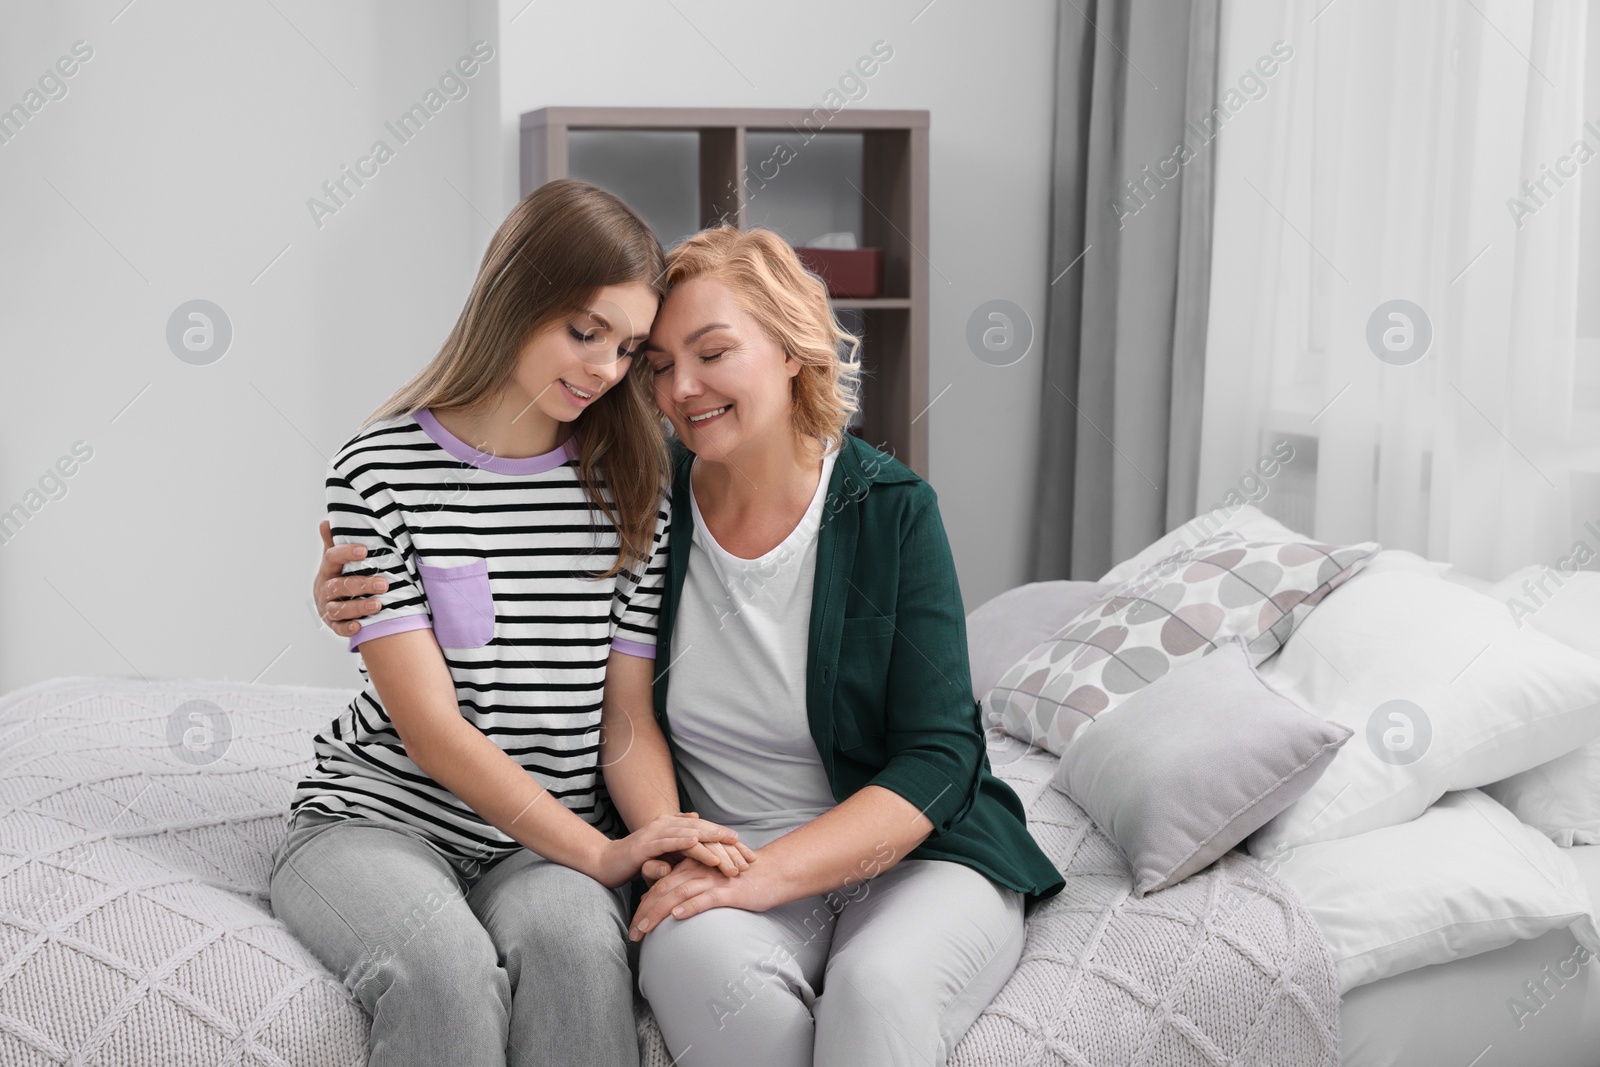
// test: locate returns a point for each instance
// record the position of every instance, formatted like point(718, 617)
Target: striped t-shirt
point(492, 554)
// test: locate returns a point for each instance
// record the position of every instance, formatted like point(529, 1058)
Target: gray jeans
point(520, 961)
point(889, 975)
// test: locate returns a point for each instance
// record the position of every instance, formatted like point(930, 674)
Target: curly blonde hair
point(791, 305)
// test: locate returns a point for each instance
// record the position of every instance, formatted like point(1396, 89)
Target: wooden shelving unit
point(893, 191)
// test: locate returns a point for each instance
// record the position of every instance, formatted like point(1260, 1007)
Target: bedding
point(1463, 878)
point(1004, 628)
point(1171, 613)
point(133, 883)
point(134, 909)
point(1477, 1010)
point(1567, 607)
point(1193, 763)
point(1562, 797)
point(1246, 520)
point(1441, 688)
point(1225, 967)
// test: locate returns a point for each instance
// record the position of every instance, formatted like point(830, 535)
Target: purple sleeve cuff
point(633, 648)
point(400, 625)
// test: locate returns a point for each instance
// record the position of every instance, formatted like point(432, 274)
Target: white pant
point(891, 971)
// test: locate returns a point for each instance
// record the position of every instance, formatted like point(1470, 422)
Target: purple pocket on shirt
point(460, 602)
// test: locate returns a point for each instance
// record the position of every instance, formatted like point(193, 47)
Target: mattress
point(1535, 1003)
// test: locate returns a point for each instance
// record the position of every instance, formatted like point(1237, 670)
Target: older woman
point(817, 699)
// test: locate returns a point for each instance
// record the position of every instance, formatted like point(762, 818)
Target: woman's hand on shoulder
point(331, 585)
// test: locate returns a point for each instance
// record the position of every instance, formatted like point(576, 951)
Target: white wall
point(178, 166)
point(187, 147)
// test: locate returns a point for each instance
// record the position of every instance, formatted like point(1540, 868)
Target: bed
point(135, 925)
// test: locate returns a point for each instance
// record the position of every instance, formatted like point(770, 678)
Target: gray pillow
point(1194, 763)
point(1003, 630)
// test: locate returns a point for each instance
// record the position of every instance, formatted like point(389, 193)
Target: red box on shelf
point(855, 273)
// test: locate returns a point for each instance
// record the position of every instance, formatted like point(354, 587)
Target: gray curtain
point(1125, 325)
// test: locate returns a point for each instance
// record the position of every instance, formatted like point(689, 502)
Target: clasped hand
point(692, 887)
point(674, 836)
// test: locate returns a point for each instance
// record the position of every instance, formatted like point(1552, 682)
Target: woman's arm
point(869, 832)
point(414, 684)
point(638, 764)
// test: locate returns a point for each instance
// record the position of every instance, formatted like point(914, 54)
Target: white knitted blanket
point(136, 833)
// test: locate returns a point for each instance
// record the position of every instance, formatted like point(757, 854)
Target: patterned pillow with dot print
point(1176, 610)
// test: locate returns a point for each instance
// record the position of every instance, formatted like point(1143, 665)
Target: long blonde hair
point(791, 304)
point(561, 245)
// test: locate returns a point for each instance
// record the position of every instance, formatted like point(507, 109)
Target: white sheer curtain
point(1377, 165)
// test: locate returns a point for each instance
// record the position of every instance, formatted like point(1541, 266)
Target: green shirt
point(888, 688)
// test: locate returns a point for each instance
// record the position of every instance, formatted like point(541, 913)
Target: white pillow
point(1177, 610)
point(1465, 877)
point(1455, 574)
point(1243, 519)
point(1430, 672)
point(1568, 611)
point(1560, 798)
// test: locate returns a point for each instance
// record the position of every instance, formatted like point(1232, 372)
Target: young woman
point(818, 700)
point(450, 857)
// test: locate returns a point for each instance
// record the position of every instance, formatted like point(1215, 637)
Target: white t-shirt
point(737, 699)
point(491, 554)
